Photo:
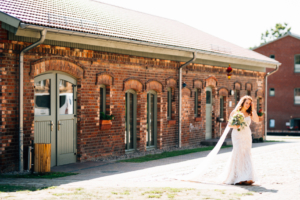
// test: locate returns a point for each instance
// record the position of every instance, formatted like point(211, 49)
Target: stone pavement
point(276, 163)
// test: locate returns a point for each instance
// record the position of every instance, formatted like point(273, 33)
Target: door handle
point(51, 124)
point(59, 125)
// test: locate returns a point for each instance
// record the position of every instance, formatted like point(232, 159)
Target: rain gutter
point(266, 99)
point(180, 96)
point(21, 96)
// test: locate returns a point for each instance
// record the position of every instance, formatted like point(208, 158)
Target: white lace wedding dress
point(240, 166)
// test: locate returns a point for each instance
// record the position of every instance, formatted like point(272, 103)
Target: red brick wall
point(281, 106)
point(119, 73)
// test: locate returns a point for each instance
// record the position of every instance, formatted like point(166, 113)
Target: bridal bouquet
point(238, 119)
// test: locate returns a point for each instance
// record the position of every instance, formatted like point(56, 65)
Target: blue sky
point(237, 21)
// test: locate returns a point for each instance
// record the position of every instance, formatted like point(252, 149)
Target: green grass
point(16, 188)
point(154, 196)
point(274, 141)
point(169, 154)
point(49, 175)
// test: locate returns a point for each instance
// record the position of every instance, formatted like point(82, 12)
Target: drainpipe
point(266, 98)
point(21, 103)
point(180, 95)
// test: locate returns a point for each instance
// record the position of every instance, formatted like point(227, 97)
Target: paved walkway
point(277, 164)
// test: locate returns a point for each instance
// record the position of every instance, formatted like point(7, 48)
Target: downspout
point(21, 103)
point(266, 98)
point(180, 96)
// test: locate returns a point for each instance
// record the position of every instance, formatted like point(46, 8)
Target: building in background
point(98, 58)
point(284, 85)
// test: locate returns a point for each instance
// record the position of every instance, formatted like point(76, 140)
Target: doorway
point(55, 116)
point(208, 116)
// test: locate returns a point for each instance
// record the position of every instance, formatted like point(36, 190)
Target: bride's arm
point(254, 116)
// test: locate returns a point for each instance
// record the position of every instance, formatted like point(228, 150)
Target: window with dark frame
point(272, 56)
point(297, 96)
point(222, 107)
point(297, 64)
point(196, 103)
point(237, 96)
point(169, 102)
point(259, 103)
point(130, 120)
point(272, 92)
point(103, 99)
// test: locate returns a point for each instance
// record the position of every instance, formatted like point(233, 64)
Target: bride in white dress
point(239, 169)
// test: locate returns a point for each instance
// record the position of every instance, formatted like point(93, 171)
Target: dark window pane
point(272, 56)
point(101, 100)
point(131, 122)
point(221, 107)
point(208, 97)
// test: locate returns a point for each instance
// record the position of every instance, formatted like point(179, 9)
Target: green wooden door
point(45, 112)
point(66, 119)
point(55, 116)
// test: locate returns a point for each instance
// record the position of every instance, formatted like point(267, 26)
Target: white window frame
point(296, 65)
point(270, 92)
point(272, 122)
point(297, 96)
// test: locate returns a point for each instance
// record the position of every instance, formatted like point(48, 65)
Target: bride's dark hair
point(249, 111)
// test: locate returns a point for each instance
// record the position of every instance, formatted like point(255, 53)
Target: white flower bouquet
point(238, 119)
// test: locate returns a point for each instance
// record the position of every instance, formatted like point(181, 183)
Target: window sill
point(198, 119)
point(150, 148)
point(129, 151)
point(171, 121)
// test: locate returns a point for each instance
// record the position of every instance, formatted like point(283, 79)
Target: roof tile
point(99, 18)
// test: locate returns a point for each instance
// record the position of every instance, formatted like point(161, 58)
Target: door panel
point(66, 120)
point(208, 116)
point(42, 130)
point(44, 112)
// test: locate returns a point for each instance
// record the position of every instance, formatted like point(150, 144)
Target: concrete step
point(213, 142)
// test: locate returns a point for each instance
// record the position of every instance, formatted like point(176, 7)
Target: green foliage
point(16, 188)
point(274, 33)
point(103, 116)
point(49, 175)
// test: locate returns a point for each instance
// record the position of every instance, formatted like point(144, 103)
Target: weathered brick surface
point(118, 73)
point(281, 107)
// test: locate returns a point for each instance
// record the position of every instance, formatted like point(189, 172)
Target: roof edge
point(10, 20)
point(77, 33)
point(288, 34)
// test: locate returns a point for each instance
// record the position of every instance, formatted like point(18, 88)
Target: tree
point(279, 31)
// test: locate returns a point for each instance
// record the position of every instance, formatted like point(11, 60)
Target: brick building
point(284, 85)
point(119, 62)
